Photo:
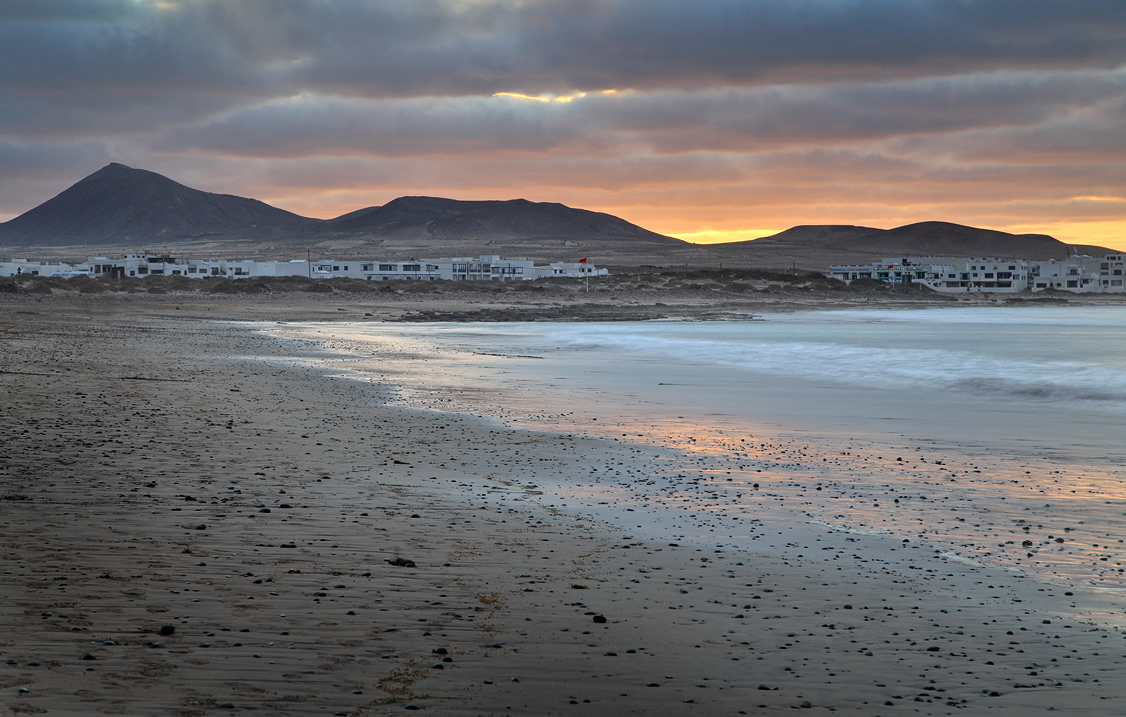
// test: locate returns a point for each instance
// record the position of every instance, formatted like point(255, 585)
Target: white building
point(953, 275)
point(569, 268)
point(483, 268)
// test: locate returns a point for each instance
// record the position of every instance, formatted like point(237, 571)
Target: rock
point(402, 563)
point(599, 618)
point(86, 656)
point(167, 630)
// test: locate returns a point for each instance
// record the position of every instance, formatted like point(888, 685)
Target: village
point(482, 268)
point(948, 275)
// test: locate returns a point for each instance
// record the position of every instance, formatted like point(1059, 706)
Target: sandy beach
point(198, 520)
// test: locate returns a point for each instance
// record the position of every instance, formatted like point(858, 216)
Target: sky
point(709, 120)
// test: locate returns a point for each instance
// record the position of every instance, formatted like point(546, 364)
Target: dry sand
point(148, 480)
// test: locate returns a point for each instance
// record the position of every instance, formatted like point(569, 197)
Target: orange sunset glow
point(724, 121)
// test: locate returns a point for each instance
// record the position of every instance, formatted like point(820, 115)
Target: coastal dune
point(197, 520)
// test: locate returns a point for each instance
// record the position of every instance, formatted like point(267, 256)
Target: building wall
point(1082, 274)
point(483, 268)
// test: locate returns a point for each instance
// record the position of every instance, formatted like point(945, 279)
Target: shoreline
point(743, 631)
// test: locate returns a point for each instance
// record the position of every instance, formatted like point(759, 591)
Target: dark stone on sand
point(285, 505)
point(932, 649)
point(440, 651)
point(599, 618)
point(415, 515)
point(402, 563)
point(437, 666)
point(33, 663)
point(264, 510)
point(86, 656)
point(806, 704)
point(201, 526)
point(411, 706)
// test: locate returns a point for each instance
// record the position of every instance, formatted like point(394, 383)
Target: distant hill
point(120, 209)
point(119, 205)
point(818, 246)
point(436, 218)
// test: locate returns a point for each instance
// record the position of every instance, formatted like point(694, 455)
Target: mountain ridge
point(120, 205)
point(126, 208)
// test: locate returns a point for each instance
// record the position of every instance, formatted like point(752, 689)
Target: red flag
point(583, 260)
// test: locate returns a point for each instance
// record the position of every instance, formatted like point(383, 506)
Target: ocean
point(992, 436)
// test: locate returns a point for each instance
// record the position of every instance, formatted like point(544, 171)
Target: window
point(989, 275)
point(1116, 282)
point(412, 267)
point(387, 267)
point(1073, 284)
point(336, 268)
point(365, 267)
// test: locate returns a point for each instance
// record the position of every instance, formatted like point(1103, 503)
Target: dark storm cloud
point(771, 104)
point(663, 122)
point(405, 48)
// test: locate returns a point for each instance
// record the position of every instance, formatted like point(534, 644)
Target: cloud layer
point(737, 117)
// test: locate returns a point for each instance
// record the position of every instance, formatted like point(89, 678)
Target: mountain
point(125, 209)
point(120, 205)
point(818, 246)
point(433, 218)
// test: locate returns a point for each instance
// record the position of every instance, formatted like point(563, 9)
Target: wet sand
point(150, 481)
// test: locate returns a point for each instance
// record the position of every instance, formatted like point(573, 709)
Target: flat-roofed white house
point(482, 268)
point(952, 275)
